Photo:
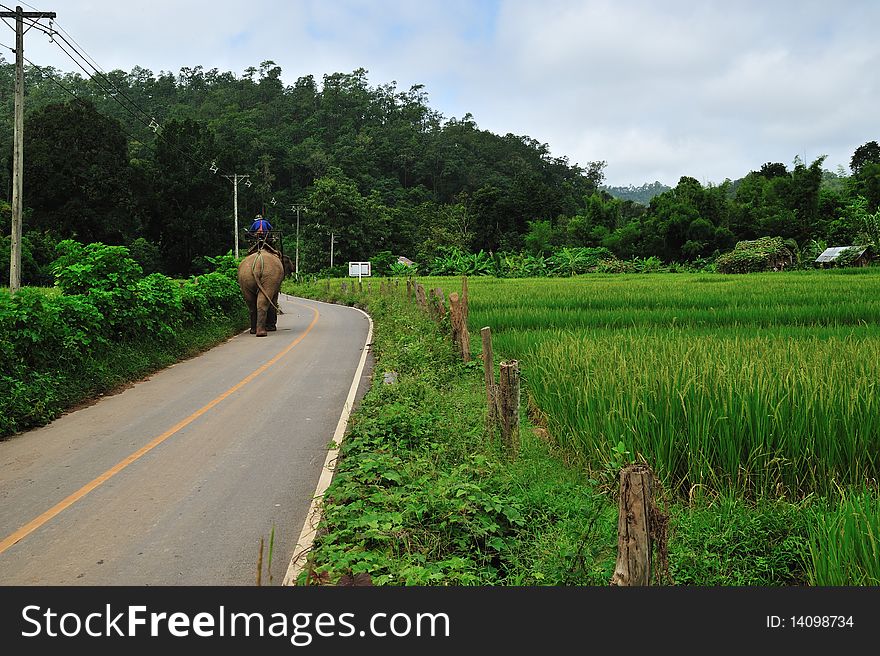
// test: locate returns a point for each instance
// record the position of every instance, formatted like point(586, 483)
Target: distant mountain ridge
point(641, 195)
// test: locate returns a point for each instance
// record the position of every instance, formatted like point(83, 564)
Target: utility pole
point(296, 263)
point(18, 140)
point(235, 177)
point(332, 241)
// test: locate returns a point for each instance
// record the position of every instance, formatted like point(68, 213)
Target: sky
point(655, 89)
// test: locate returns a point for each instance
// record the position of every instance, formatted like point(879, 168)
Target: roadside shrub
point(146, 254)
point(82, 269)
point(159, 310)
point(43, 332)
point(26, 403)
point(210, 295)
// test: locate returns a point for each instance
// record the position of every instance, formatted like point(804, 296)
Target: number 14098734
point(810, 622)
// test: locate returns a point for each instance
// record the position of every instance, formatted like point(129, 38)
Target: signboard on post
point(358, 269)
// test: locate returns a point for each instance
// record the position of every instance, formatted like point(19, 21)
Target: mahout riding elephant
point(259, 276)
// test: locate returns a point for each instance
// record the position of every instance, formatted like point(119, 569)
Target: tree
point(192, 218)
point(868, 153)
point(359, 225)
point(541, 237)
point(772, 170)
point(77, 175)
point(867, 184)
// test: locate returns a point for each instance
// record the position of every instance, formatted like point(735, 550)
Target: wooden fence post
point(634, 541)
point(508, 405)
point(489, 376)
point(464, 338)
point(441, 304)
point(455, 318)
point(420, 296)
point(432, 303)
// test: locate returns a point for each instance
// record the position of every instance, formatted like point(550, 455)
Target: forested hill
point(375, 166)
point(148, 161)
point(641, 194)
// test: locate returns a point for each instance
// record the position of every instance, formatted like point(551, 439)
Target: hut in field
point(849, 256)
point(764, 254)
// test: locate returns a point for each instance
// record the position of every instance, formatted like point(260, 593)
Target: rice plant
point(845, 542)
point(762, 383)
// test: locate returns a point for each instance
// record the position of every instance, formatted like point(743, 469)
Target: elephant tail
point(259, 282)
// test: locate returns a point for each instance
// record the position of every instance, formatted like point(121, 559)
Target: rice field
point(759, 384)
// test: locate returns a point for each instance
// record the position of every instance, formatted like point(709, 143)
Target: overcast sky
point(657, 90)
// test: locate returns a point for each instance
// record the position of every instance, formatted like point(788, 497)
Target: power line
point(108, 87)
point(71, 92)
point(113, 91)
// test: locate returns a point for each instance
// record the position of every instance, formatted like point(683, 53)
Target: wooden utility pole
point(508, 406)
point(298, 208)
point(18, 140)
point(235, 177)
point(491, 386)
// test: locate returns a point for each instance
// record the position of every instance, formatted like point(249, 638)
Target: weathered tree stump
point(508, 406)
point(441, 304)
point(421, 297)
point(634, 537)
point(455, 318)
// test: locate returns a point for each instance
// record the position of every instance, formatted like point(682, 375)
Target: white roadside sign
point(358, 269)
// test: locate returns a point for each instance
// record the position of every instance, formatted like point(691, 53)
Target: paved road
point(175, 480)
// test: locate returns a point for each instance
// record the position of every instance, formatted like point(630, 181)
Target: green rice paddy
point(760, 384)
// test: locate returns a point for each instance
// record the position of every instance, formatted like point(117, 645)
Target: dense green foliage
point(104, 323)
point(377, 171)
point(756, 255)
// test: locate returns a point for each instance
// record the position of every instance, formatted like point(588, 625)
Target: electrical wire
point(109, 88)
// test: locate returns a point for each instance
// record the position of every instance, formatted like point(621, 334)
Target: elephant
point(259, 276)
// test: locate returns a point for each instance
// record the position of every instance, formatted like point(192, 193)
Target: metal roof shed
point(830, 255)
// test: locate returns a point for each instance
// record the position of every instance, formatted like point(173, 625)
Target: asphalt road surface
point(175, 480)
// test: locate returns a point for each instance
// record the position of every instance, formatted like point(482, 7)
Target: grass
point(762, 385)
point(422, 496)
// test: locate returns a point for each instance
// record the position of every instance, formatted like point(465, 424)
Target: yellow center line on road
point(36, 523)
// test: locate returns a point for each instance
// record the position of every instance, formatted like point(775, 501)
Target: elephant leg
point(272, 315)
point(262, 313)
point(252, 310)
